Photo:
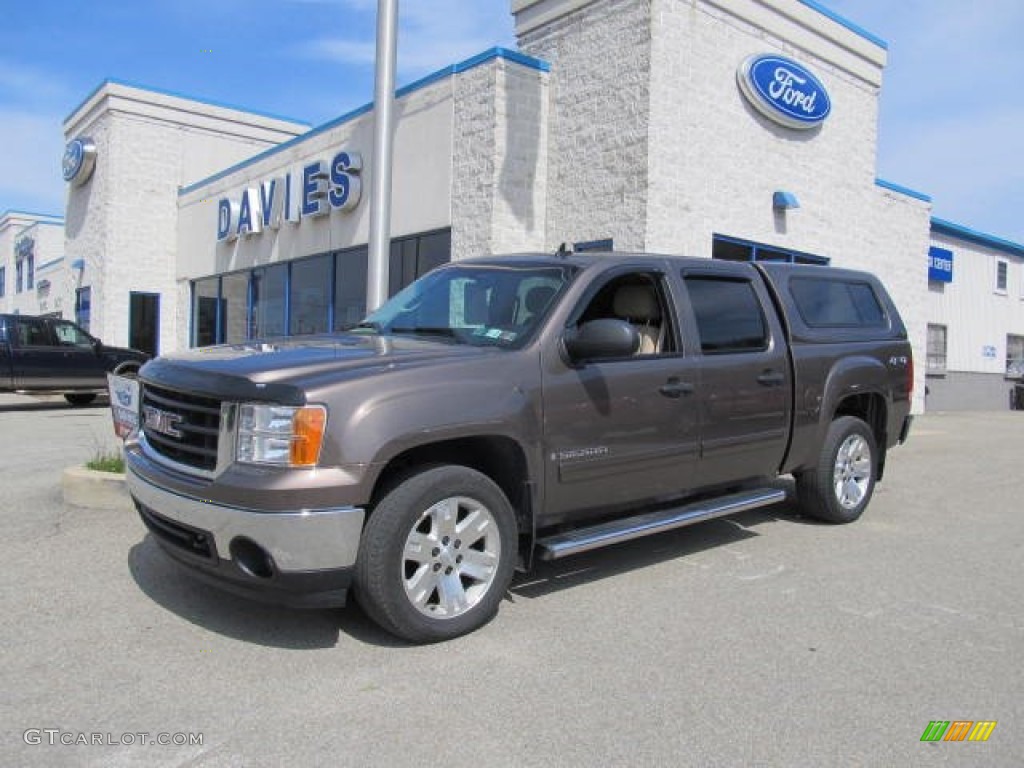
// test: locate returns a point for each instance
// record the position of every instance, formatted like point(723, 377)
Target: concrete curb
point(92, 489)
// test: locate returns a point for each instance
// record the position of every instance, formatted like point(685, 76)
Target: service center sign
point(784, 91)
point(314, 190)
point(940, 265)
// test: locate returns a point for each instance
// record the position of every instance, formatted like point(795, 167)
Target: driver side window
point(639, 299)
point(69, 335)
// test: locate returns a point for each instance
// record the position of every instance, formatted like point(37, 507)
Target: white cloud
point(431, 35)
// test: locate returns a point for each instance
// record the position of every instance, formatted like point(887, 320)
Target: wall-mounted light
point(784, 201)
point(78, 264)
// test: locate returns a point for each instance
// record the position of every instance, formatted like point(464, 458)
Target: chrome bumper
point(298, 540)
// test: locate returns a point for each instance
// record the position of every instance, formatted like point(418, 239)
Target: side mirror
point(601, 339)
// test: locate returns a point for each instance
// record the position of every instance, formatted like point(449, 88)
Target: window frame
point(936, 370)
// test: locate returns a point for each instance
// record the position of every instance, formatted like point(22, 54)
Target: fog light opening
point(251, 558)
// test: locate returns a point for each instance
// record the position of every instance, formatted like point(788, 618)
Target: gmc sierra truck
point(49, 356)
point(501, 410)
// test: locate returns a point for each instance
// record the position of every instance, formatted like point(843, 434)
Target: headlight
point(280, 434)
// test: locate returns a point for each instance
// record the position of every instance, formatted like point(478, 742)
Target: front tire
point(839, 488)
point(437, 555)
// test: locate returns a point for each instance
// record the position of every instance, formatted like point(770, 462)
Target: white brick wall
point(499, 163)
point(598, 122)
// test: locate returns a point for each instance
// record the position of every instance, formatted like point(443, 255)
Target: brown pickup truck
point(506, 409)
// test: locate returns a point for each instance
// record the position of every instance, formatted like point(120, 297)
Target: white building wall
point(499, 160)
point(47, 234)
point(600, 91)
point(977, 316)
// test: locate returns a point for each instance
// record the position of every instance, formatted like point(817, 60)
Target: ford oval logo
point(784, 91)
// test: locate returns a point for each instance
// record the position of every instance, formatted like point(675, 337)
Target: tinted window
point(831, 303)
point(32, 332)
point(729, 317)
point(350, 287)
point(310, 295)
point(268, 301)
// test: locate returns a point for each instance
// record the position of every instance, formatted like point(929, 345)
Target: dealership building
point(733, 129)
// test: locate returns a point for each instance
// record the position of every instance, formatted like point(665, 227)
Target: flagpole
point(383, 154)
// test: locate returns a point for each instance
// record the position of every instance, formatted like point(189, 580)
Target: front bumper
point(299, 557)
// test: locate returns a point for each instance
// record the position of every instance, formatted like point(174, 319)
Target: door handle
point(675, 388)
point(771, 379)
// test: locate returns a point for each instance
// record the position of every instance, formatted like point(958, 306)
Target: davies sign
point(784, 91)
point(314, 190)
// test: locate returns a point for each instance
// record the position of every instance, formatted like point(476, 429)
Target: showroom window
point(308, 295)
point(734, 249)
point(1014, 356)
point(936, 349)
point(350, 287)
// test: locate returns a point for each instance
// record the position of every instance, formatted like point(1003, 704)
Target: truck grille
point(183, 428)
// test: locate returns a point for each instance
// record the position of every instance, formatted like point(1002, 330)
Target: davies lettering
point(313, 190)
point(784, 91)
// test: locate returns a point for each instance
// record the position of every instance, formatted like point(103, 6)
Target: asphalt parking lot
point(762, 639)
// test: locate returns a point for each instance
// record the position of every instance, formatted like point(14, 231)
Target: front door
point(622, 432)
point(144, 322)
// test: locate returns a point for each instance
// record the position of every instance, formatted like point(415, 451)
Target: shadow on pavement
point(548, 577)
point(175, 589)
point(28, 404)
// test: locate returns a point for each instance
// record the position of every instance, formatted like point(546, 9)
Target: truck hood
point(281, 369)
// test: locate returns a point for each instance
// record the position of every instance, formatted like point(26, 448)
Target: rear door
point(745, 392)
point(35, 358)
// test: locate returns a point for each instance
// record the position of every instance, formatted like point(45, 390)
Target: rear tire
point(80, 398)
point(436, 555)
point(839, 488)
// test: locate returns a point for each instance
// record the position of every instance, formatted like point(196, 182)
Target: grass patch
point(107, 462)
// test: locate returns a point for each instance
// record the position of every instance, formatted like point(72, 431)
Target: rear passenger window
point(31, 332)
point(729, 316)
point(831, 303)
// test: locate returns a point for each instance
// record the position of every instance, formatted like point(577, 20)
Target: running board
point(594, 537)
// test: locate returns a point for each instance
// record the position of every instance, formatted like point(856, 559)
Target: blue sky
point(952, 116)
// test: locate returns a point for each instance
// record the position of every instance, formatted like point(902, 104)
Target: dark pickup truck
point(506, 409)
point(49, 356)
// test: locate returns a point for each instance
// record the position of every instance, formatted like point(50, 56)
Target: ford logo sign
point(784, 91)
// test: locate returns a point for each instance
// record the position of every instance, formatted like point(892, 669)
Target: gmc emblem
point(161, 421)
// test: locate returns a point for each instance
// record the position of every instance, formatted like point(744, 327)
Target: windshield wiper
point(448, 333)
point(368, 325)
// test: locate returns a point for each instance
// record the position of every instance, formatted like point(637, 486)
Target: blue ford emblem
point(784, 91)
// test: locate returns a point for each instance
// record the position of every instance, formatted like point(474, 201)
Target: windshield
point(481, 305)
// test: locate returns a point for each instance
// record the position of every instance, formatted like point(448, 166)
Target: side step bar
point(594, 537)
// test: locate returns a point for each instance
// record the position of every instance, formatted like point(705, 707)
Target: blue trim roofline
point(176, 95)
point(49, 264)
point(943, 227)
point(441, 74)
point(903, 190)
point(813, 4)
point(54, 218)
